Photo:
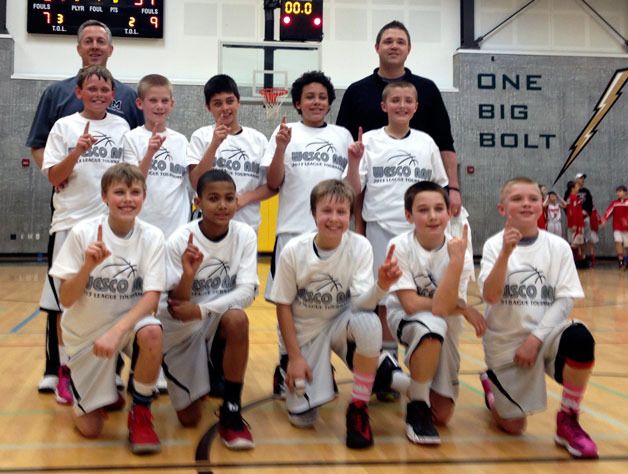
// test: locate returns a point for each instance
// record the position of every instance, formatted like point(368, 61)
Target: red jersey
point(575, 217)
point(619, 210)
point(542, 222)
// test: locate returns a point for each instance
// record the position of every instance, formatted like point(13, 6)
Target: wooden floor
point(36, 434)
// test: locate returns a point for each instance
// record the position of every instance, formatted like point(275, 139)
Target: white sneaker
point(305, 419)
point(119, 383)
point(48, 384)
point(162, 384)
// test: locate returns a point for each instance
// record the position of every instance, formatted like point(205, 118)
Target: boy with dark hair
point(229, 146)
point(425, 308)
point(79, 149)
point(529, 282)
point(112, 271)
point(324, 292)
point(212, 278)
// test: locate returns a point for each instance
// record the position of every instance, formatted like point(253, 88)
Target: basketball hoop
point(273, 98)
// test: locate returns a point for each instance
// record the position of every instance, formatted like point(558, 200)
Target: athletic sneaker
point(359, 434)
point(48, 383)
point(279, 386)
point(305, 419)
point(386, 367)
point(142, 436)
point(234, 431)
point(120, 382)
point(420, 428)
point(489, 396)
point(571, 436)
point(162, 384)
point(63, 391)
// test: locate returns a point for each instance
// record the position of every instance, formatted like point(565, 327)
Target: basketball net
point(273, 98)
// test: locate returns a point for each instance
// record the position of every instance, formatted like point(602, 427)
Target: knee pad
point(577, 344)
point(366, 330)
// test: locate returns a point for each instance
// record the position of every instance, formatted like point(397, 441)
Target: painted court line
point(84, 445)
point(24, 322)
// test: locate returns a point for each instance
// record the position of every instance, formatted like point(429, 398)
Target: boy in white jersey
point(160, 153)
point(232, 148)
point(425, 308)
point(324, 292)
point(299, 156)
point(80, 147)
point(212, 278)
point(112, 271)
point(384, 163)
point(529, 281)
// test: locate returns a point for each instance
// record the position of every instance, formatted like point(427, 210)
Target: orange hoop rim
point(271, 94)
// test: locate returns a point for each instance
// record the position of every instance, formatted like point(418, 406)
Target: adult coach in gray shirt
point(360, 106)
point(59, 100)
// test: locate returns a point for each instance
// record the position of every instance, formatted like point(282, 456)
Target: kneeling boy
point(212, 277)
point(112, 272)
point(325, 294)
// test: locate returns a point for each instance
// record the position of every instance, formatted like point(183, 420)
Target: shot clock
point(128, 18)
point(301, 20)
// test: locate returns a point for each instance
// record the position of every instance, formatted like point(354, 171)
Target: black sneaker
point(359, 434)
point(386, 367)
point(420, 428)
point(279, 385)
point(233, 430)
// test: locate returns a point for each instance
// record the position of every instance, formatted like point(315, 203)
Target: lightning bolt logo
point(604, 105)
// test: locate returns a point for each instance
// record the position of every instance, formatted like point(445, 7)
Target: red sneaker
point(234, 431)
point(359, 434)
point(571, 436)
point(142, 436)
point(63, 392)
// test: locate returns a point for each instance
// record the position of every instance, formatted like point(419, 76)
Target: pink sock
point(572, 397)
point(362, 386)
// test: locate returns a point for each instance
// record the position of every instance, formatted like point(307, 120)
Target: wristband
point(451, 188)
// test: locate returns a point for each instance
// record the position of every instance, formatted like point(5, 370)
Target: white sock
point(400, 382)
point(420, 391)
point(144, 389)
point(63, 356)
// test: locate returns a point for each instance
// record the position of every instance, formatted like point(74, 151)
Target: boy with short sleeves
point(324, 292)
point(618, 210)
point(529, 281)
point(425, 308)
point(229, 146)
point(112, 271)
point(212, 278)
point(160, 153)
point(79, 149)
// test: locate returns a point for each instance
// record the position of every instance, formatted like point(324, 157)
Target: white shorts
point(379, 239)
point(187, 358)
point(93, 378)
point(621, 237)
point(575, 239)
point(521, 390)
point(593, 237)
point(409, 330)
point(337, 337)
point(555, 228)
point(49, 299)
point(587, 229)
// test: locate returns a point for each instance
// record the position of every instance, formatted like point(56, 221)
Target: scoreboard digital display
point(301, 20)
point(128, 18)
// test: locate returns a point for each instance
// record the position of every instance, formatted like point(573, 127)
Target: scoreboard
point(128, 18)
point(301, 20)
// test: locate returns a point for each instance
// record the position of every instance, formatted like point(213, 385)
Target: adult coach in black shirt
point(360, 106)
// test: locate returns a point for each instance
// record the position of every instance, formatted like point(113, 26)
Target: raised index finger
point(86, 129)
point(391, 252)
point(283, 120)
point(359, 134)
point(190, 239)
point(99, 233)
point(465, 233)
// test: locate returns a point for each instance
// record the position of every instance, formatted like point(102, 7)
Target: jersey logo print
point(404, 158)
point(529, 271)
point(162, 154)
point(123, 281)
point(526, 286)
point(115, 105)
point(102, 139)
point(324, 291)
point(234, 153)
point(322, 145)
point(327, 281)
point(126, 267)
point(216, 280)
point(425, 284)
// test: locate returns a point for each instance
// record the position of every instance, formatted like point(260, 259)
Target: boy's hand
point(191, 258)
point(475, 319)
point(389, 272)
point(457, 246)
point(298, 368)
point(97, 251)
point(221, 132)
point(85, 141)
point(356, 149)
point(527, 352)
point(184, 310)
point(107, 344)
point(284, 135)
point(512, 237)
point(155, 141)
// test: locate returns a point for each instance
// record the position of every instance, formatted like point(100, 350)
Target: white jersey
point(537, 274)
point(320, 290)
point(226, 264)
point(81, 197)
point(389, 167)
point(240, 156)
point(136, 265)
point(313, 155)
point(422, 270)
point(168, 202)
